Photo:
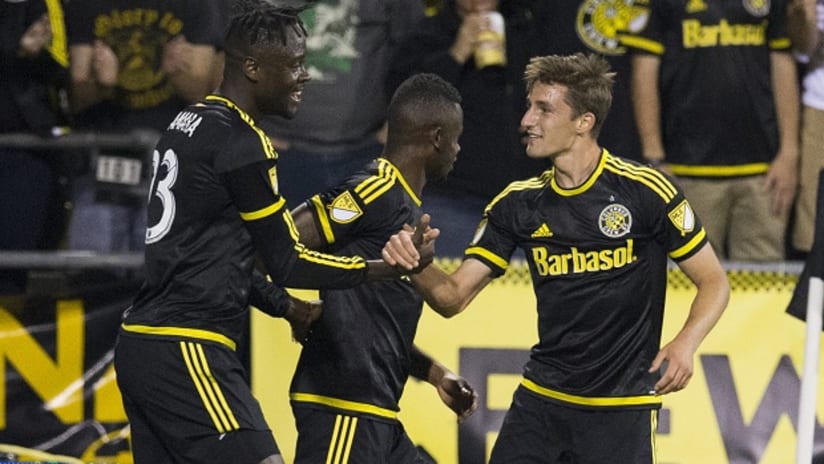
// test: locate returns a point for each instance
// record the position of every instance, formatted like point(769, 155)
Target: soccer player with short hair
point(596, 231)
point(353, 368)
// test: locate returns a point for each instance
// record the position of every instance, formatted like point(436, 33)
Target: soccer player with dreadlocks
point(214, 209)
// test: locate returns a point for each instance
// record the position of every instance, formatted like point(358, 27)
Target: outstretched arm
point(454, 390)
point(704, 270)
point(449, 294)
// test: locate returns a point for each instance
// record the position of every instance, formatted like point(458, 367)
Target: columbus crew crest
point(615, 221)
point(345, 209)
point(601, 23)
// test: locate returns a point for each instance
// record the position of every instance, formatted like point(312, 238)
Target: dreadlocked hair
point(261, 21)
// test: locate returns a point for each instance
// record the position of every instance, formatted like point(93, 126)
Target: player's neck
point(409, 167)
point(574, 167)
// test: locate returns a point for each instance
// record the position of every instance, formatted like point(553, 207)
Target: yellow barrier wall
point(740, 406)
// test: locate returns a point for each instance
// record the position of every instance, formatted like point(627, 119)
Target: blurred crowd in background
point(728, 99)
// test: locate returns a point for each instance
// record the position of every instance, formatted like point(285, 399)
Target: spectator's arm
point(782, 178)
point(647, 105)
point(802, 26)
point(195, 70)
point(93, 70)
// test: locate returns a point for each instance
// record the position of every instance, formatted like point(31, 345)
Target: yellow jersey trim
point(483, 252)
point(264, 212)
point(641, 43)
point(345, 405)
point(587, 184)
point(719, 171)
point(57, 47)
point(207, 387)
point(323, 217)
point(645, 400)
point(679, 252)
point(199, 334)
point(266, 142)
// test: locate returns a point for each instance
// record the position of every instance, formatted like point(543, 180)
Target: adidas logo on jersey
point(542, 232)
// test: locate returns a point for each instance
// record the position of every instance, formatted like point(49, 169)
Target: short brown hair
point(588, 80)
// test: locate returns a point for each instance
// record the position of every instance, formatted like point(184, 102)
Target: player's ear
point(251, 68)
point(436, 137)
point(585, 122)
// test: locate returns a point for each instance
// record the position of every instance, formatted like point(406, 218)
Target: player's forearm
point(440, 291)
point(708, 305)
point(426, 368)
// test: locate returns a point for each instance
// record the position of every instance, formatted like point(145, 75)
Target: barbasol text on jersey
point(576, 262)
point(723, 34)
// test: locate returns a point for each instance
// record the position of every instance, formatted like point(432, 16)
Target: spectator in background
point(492, 156)
point(717, 103)
point(134, 65)
point(339, 127)
point(33, 61)
point(805, 26)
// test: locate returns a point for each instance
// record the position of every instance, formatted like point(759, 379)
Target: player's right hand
point(301, 314)
point(412, 249)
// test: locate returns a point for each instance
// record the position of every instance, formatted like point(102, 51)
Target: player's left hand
point(458, 395)
point(301, 314)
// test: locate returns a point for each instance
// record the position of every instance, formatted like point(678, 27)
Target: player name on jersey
point(186, 122)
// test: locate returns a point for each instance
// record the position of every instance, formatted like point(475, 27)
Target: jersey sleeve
point(678, 225)
point(494, 243)
point(253, 188)
point(268, 297)
point(365, 209)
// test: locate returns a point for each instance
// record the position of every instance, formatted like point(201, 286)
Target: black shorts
point(338, 438)
point(188, 401)
point(538, 430)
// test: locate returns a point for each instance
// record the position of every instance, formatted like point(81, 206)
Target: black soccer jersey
point(213, 204)
point(598, 258)
point(358, 356)
point(717, 108)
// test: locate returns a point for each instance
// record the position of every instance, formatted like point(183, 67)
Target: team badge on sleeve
point(345, 209)
point(615, 220)
point(683, 218)
point(273, 179)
